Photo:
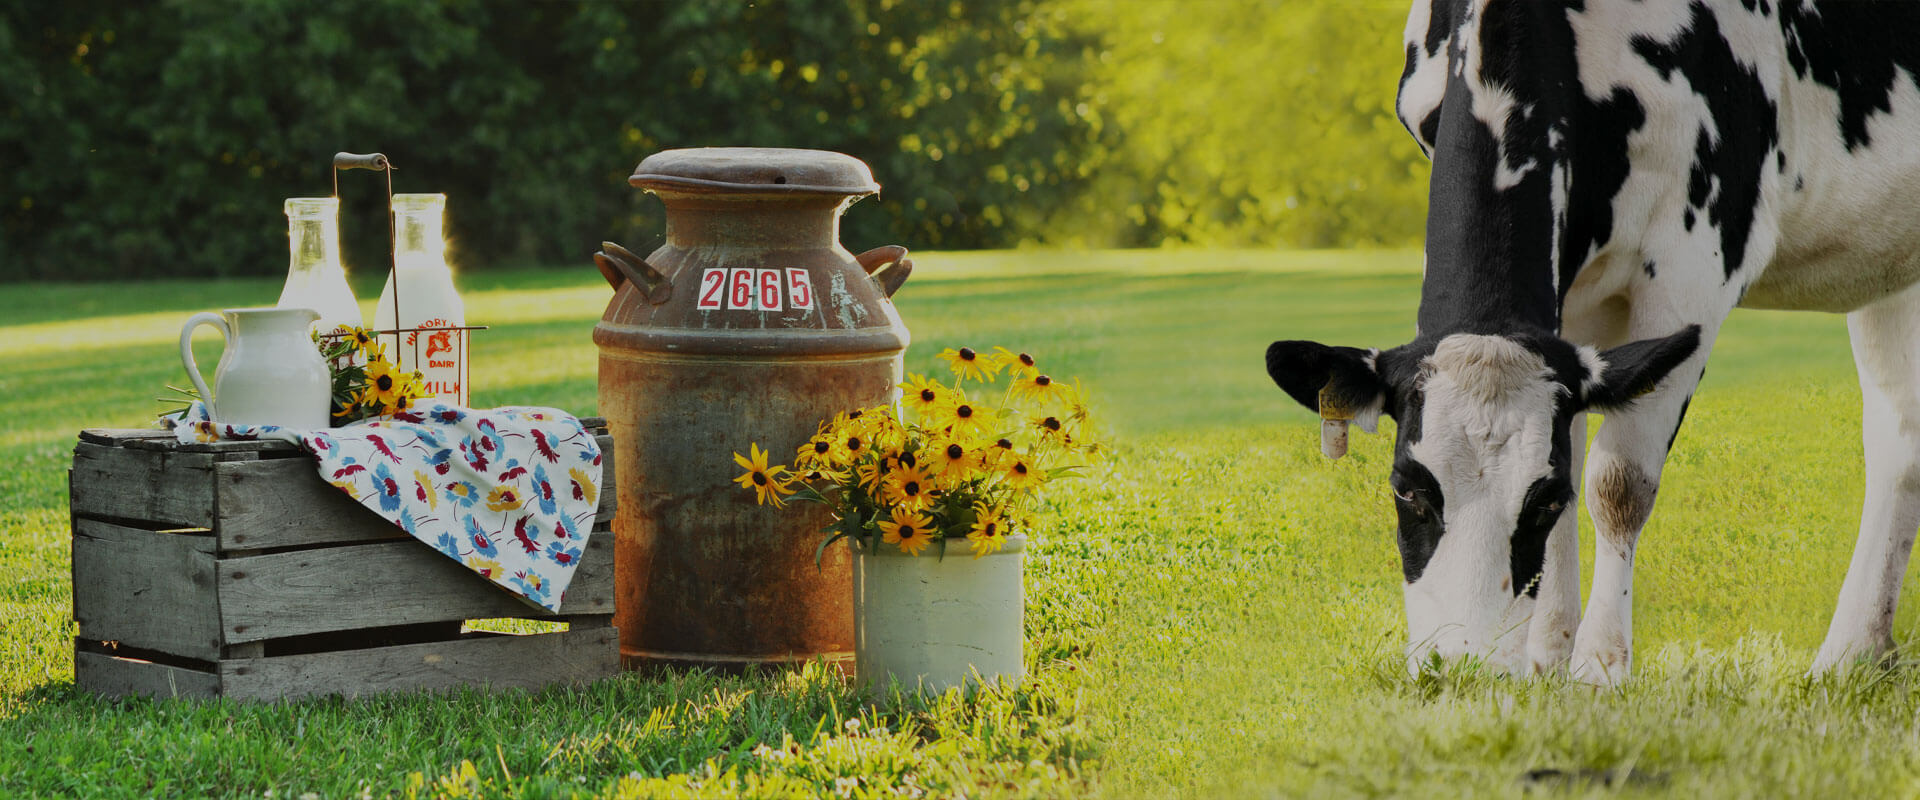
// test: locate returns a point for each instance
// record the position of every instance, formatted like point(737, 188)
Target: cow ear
point(1631, 370)
point(1335, 382)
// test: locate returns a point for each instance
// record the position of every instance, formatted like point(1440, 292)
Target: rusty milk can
point(751, 324)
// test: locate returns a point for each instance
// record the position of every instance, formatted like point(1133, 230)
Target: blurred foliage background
point(153, 139)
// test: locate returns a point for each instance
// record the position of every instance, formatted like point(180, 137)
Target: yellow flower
point(912, 532)
point(968, 364)
point(995, 455)
point(908, 489)
point(426, 485)
point(923, 395)
point(487, 567)
point(854, 446)
point(588, 490)
point(1019, 364)
point(383, 383)
point(989, 531)
point(762, 479)
point(1050, 427)
point(1038, 387)
point(1020, 474)
point(362, 339)
point(504, 498)
point(818, 453)
point(962, 418)
point(204, 431)
point(871, 474)
point(948, 460)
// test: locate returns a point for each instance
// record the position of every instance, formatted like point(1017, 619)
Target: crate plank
point(283, 502)
point(114, 437)
point(145, 589)
point(386, 583)
point(276, 503)
point(113, 676)
point(498, 662)
point(164, 488)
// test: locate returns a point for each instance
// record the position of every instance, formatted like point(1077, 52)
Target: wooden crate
point(230, 569)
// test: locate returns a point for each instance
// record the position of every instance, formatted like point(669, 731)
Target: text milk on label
point(749, 324)
point(422, 285)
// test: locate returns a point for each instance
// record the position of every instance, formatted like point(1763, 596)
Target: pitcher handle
point(186, 353)
point(890, 278)
point(620, 265)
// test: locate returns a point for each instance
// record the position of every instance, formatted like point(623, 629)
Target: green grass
point(1218, 611)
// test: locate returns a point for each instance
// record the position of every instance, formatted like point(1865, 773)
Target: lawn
point(1216, 610)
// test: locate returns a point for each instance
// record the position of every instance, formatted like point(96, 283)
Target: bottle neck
point(313, 245)
point(417, 243)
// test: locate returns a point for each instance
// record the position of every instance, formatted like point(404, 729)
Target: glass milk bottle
point(315, 278)
point(422, 286)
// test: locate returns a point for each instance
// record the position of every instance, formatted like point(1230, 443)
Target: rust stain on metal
point(760, 326)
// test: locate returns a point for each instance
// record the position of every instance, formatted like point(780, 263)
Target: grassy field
point(1217, 611)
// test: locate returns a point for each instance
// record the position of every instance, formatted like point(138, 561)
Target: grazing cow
point(1610, 179)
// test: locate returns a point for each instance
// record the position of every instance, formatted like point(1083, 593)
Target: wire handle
point(377, 162)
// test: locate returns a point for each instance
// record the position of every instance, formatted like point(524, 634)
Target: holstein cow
point(1610, 179)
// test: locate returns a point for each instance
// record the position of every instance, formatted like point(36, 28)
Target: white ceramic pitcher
point(270, 374)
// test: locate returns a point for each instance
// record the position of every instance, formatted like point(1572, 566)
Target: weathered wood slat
point(145, 589)
point(283, 502)
point(117, 436)
point(164, 488)
point(387, 583)
point(496, 661)
point(112, 676)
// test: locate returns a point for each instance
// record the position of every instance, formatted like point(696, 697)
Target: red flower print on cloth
point(471, 484)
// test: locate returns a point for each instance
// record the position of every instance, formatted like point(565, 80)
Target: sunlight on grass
point(1216, 613)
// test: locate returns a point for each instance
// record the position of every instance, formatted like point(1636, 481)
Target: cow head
point(1481, 465)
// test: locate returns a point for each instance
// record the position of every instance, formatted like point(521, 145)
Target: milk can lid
point(756, 170)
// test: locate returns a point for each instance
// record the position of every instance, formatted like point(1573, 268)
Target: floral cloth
point(508, 492)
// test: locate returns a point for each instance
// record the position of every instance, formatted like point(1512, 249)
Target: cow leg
point(1556, 615)
point(1622, 478)
point(1886, 348)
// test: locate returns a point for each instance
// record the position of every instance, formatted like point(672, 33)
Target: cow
point(1610, 178)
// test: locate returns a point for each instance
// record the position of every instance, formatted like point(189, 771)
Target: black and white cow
point(1610, 179)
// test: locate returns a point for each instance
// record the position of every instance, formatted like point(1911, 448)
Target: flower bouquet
point(965, 466)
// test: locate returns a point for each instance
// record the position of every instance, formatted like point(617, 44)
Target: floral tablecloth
point(508, 492)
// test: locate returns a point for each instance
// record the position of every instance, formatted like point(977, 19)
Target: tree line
point(145, 140)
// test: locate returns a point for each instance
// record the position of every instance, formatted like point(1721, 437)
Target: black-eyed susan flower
point(1050, 427)
point(1021, 474)
point(383, 383)
point(948, 458)
point(361, 338)
point(1038, 387)
point(871, 473)
point(993, 457)
point(1016, 364)
point(817, 454)
point(911, 530)
point(989, 532)
point(962, 418)
point(764, 480)
point(969, 365)
point(922, 394)
point(908, 488)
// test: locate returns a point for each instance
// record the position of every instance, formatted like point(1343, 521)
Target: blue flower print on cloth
point(507, 492)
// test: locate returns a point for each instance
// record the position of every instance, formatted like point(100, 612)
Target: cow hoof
point(1602, 670)
point(1839, 658)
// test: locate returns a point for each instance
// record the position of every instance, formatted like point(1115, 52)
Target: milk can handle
point(892, 277)
point(619, 265)
point(186, 353)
